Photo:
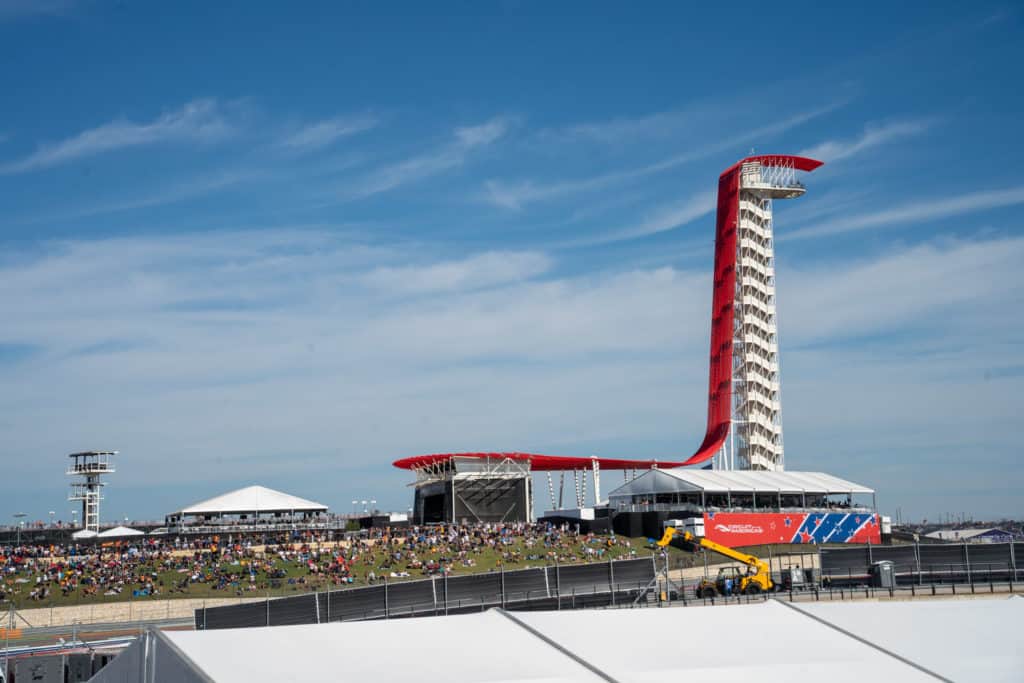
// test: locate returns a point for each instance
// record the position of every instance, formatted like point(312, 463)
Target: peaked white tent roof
point(737, 481)
point(120, 531)
point(84, 533)
point(253, 499)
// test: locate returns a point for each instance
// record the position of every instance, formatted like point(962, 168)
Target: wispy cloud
point(451, 155)
point(914, 212)
point(324, 133)
point(169, 193)
point(15, 9)
point(873, 136)
point(200, 121)
point(660, 219)
point(518, 194)
point(475, 272)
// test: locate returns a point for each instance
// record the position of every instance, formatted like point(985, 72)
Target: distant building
point(972, 535)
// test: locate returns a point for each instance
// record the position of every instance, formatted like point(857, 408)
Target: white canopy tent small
point(83, 534)
point(251, 501)
point(120, 532)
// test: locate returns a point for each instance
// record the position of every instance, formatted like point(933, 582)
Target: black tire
point(706, 592)
point(753, 588)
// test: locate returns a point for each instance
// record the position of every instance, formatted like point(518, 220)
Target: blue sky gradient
point(244, 244)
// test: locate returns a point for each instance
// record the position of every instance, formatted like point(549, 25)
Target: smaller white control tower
point(89, 465)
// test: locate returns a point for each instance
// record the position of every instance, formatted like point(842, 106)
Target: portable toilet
point(883, 574)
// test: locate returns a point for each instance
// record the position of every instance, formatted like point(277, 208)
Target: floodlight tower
point(89, 465)
point(755, 436)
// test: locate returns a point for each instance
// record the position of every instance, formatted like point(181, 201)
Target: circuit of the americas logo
point(739, 529)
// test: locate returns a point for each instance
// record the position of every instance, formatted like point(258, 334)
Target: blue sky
point(250, 244)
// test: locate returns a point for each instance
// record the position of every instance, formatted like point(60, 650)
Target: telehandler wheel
point(753, 588)
point(706, 592)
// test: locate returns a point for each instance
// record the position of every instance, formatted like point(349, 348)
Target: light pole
point(364, 507)
point(18, 516)
point(52, 513)
point(74, 519)
point(354, 504)
point(373, 506)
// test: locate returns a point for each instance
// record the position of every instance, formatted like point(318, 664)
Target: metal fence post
point(385, 596)
point(611, 579)
point(917, 558)
point(967, 562)
point(558, 581)
point(503, 584)
point(1013, 560)
point(446, 593)
point(268, 608)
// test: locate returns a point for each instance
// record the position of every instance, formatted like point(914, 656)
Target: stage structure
point(498, 487)
point(89, 466)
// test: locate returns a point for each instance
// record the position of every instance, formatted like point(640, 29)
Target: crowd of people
point(171, 566)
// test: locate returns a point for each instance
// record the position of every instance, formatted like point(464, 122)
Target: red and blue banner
point(758, 528)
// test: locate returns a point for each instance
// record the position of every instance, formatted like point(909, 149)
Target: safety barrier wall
point(550, 587)
point(927, 563)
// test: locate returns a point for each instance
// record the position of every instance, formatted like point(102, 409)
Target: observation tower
point(744, 429)
point(89, 466)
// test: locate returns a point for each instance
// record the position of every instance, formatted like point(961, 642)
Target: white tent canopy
point(252, 500)
point(769, 641)
point(120, 532)
point(738, 481)
point(84, 533)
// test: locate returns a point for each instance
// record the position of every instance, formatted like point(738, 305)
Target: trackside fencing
point(921, 564)
point(550, 587)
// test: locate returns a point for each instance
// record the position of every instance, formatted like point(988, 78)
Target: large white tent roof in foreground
point(869, 641)
point(253, 499)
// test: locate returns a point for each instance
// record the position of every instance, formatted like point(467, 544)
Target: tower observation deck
point(88, 466)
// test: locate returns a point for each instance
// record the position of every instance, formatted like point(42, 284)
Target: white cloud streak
point(914, 212)
point(325, 133)
point(661, 219)
point(477, 271)
point(873, 136)
point(452, 155)
point(15, 9)
point(197, 121)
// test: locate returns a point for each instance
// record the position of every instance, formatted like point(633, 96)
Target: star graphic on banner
point(789, 522)
point(805, 537)
point(817, 522)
